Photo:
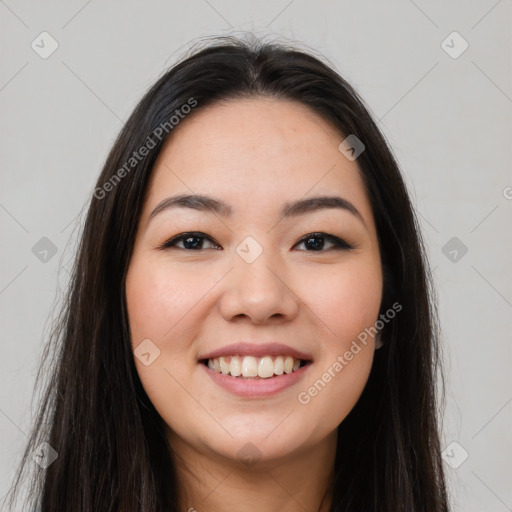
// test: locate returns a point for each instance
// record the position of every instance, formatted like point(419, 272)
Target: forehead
point(256, 154)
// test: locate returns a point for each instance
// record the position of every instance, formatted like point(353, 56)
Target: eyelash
point(339, 244)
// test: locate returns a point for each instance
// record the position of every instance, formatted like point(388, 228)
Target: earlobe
point(378, 341)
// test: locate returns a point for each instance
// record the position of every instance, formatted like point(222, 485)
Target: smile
point(250, 367)
point(255, 387)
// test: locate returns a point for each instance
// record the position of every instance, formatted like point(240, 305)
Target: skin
point(254, 154)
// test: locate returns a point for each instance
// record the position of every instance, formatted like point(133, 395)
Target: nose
point(261, 291)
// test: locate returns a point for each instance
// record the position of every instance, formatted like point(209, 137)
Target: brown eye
point(192, 241)
point(315, 242)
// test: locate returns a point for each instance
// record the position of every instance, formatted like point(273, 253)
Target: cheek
point(159, 302)
point(336, 386)
point(158, 298)
point(346, 300)
point(356, 305)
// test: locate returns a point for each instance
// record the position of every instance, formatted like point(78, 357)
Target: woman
point(250, 323)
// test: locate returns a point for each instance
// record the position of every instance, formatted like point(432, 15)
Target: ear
point(378, 341)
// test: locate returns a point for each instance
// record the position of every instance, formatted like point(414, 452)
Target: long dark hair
point(112, 451)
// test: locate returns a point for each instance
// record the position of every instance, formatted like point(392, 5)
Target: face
point(253, 275)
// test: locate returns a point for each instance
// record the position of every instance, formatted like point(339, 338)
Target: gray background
point(448, 120)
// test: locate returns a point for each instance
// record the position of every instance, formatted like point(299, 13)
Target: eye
point(191, 241)
point(316, 242)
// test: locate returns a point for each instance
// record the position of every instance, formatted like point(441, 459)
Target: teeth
point(234, 367)
point(249, 366)
point(279, 365)
point(224, 365)
point(288, 364)
point(266, 367)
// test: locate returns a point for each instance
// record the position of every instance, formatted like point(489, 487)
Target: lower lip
point(256, 388)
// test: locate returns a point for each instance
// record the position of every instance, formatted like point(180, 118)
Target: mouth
point(254, 377)
point(246, 367)
point(255, 370)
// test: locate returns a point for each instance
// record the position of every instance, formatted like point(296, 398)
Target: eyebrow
point(290, 209)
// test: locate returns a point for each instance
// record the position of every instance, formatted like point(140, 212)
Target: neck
point(302, 481)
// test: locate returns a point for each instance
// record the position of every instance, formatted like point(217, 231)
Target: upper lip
point(256, 350)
